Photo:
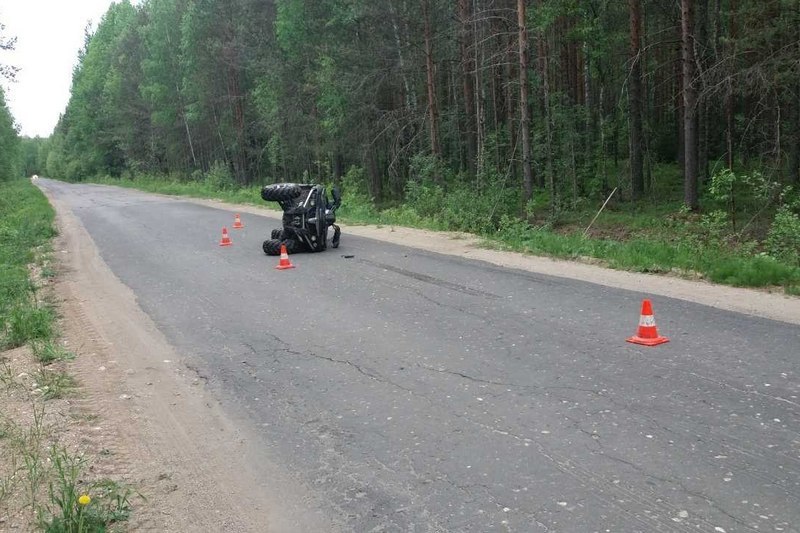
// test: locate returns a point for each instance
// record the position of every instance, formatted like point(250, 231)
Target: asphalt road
point(410, 391)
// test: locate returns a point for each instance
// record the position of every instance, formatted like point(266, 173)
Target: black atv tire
point(280, 192)
point(277, 234)
point(273, 246)
point(293, 246)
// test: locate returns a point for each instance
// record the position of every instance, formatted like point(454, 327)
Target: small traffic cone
point(284, 262)
point(226, 240)
point(647, 334)
point(237, 222)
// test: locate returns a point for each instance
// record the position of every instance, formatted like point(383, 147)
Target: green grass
point(49, 351)
point(28, 322)
point(78, 507)
point(54, 383)
point(26, 225)
point(26, 228)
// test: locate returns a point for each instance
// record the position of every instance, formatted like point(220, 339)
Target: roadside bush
point(425, 197)
point(356, 201)
point(219, 177)
point(783, 239)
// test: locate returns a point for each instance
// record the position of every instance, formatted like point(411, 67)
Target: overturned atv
point(307, 215)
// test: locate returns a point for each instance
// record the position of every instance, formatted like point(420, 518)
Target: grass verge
point(43, 485)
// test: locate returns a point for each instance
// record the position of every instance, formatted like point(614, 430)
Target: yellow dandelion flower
point(84, 499)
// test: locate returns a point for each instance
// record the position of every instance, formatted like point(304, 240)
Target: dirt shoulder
point(146, 420)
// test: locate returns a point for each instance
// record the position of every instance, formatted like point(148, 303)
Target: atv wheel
point(292, 246)
point(272, 247)
point(280, 192)
point(277, 234)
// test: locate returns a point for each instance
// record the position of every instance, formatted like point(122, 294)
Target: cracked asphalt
point(411, 391)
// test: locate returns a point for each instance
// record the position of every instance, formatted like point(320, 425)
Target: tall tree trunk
point(480, 97)
point(679, 104)
point(527, 175)
point(690, 196)
point(701, 42)
point(635, 100)
point(729, 96)
point(591, 112)
point(509, 74)
point(794, 163)
point(375, 181)
point(433, 113)
point(185, 121)
point(408, 96)
point(548, 134)
point(468, 66)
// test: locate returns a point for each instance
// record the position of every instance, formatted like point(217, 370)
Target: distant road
point(411, 391)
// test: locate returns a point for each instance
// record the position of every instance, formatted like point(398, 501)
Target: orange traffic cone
point(647, 333)
point(226, 241)
point(284, 262)
point(237, 222)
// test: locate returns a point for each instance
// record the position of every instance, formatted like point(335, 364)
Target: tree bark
point(729, 102)
point(794, 162)
point(548, 134)
point(433, 113)
point(523, 101)
point(468, 66)
point(701, 42)
point(679, 104)
point(635, 100)
point(690, 196)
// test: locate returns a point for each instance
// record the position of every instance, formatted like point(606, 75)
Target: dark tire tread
point(279, 192)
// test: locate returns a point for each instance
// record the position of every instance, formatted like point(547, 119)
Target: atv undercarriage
point(307, 215)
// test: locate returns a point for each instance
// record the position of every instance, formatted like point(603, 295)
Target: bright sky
point(49, 35)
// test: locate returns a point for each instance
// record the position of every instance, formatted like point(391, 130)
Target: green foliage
point(31, 155)
point(54, 384)
point(357, 205)
point(741, 194)
point(9, 143)
point(26, 322)
point(108, 501)
point(48, 351)
point(438, 195)
point(430, 168)
point(757, 271)
point(783, 240)
point(425, 198)
point(714, 228)
point(219, 177)
point(26, 223)
point(478, 209)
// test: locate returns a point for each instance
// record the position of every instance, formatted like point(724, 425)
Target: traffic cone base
point(647, 334)
point(237, 222)
point(647, 342)
point(284, 262)
point(226, 240)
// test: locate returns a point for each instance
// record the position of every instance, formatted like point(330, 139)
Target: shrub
point(219, 177)
point(783, 239)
